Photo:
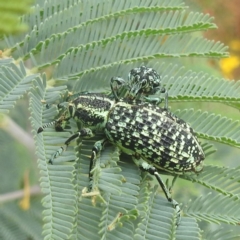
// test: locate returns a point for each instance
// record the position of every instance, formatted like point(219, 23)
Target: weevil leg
point(154, 101)
point(157, 100)
point(165, 98)
point(85, 132)
point(76, 95)
point(120, 82)
point(97, 148)
point(170, 187)
point(173, 182)
point(153, 171)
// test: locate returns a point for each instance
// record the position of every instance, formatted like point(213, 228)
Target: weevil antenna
point(40, 129)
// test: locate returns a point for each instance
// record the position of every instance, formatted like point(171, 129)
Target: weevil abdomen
point(155, 135)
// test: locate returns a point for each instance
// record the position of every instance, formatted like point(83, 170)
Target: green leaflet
point(221, 179)
point(216, 208)
point(213, 127)
point(14, 83)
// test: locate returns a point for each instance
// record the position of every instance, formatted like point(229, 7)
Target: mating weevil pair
point(153, 136)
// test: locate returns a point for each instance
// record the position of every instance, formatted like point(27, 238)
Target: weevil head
point(143, 80)
point(67, 111)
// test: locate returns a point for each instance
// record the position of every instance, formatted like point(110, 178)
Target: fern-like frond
point(163, 213)
point(120, 210)
point(208, 148)
point(18, 224)
point(115, 188)
point(200, 86)
point(188, 229)
point(193, 86)
point(215, 208)
point(42, 12)
point(88, 214)
point(46, 17)
point(221, 234)
point(212, 127)
point(120, 20)
point(134, 48)
point(108, 178)
point(221, 179)
point(117, 24)
point(56, 180)
point(14, 82)
point(88, 218)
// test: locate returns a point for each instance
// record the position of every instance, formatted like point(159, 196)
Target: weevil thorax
point(143, 80)
point(156, 135)
point(91, 110)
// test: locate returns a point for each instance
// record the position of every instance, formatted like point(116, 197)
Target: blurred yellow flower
point(228, 65)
